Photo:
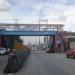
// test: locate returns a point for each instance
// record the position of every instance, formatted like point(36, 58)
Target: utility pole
point(16, 22)
point(39, 30)
point(39, 20)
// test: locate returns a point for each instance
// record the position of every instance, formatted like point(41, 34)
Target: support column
point(56, 42)
point(0, 41)
point(62, 37)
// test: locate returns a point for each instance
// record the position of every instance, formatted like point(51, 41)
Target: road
point(42, 63)
point(3, 62)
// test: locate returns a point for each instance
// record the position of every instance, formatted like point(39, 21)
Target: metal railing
point(31, 27)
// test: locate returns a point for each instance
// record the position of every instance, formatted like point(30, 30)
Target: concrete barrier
point(15, 61)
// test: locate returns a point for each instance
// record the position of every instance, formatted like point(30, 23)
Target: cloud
point(70, 2)
point(4, 6)
point(70, 14)
point(14, 2)
point(5, 10)
point(57, 11)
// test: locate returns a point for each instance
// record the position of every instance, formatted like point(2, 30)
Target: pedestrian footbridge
point(30, 29)
point(28, 33)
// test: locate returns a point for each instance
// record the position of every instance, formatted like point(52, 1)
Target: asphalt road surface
point(3, 62)
point(41, 63)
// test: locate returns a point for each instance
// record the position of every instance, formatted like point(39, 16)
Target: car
point(34, 49)
point(7, 50)
point(70, 53)
point(3, 51)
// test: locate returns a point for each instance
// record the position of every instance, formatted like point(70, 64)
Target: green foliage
point(10, 41)
point(71, 39)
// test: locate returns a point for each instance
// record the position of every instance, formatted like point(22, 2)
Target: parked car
point(3, 51)
point(7, 50)
point(34, 49)
point(70, 53)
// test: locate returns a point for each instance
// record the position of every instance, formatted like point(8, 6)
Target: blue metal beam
point(28, 33)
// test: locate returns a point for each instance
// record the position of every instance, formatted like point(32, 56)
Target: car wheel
point(67, 56)
point(73, 56)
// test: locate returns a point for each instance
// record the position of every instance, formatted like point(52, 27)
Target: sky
point(30, 11)
point(32, 39)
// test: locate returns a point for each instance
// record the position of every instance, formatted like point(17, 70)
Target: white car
point(3, 51)
point(34, 49)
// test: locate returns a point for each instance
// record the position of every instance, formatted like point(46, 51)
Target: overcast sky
point(29, 11)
